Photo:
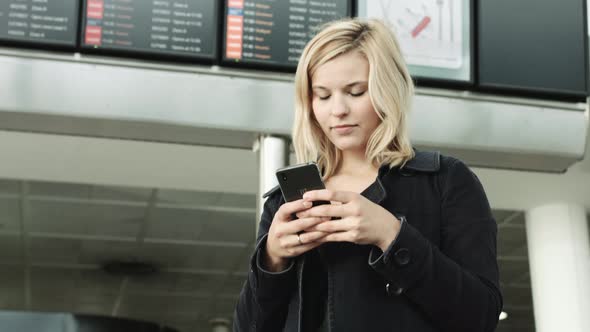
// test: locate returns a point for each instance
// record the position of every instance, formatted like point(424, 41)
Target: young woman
point(409, 241)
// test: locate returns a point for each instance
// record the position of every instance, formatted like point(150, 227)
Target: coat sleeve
point(457, 284)
point(264, 299)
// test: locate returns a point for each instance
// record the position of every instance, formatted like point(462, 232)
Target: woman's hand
point(285, 239)
point(362, 221)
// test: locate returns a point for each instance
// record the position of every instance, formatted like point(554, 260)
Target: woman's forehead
point(341, 71)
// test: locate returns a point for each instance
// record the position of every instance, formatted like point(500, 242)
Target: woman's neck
point(356, 164)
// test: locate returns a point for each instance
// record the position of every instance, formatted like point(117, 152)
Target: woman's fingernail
point(306, 203)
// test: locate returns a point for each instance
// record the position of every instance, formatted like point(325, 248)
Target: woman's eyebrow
point(355, 83)
point(349, 85)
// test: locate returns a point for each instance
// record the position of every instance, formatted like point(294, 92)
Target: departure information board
point(39, 21)
point(275, 32)
point(172, 27)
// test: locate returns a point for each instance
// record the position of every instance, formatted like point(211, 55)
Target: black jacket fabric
point(440, 273)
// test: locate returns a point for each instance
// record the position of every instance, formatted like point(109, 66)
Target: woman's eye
point(324, 97)
point(357, 94)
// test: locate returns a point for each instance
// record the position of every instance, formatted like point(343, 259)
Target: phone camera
point(284, 177)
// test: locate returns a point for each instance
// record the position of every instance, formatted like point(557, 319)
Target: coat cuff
point(404, 261)
point(377, 255)
point(271, 284)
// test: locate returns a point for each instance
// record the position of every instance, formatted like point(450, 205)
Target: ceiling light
point(503, 315)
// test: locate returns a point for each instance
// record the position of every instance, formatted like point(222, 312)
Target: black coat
point(440, 274)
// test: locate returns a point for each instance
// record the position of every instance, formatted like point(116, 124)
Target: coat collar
point(423, 162)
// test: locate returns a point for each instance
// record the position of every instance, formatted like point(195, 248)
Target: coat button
point(390, 290)
point(402, 257)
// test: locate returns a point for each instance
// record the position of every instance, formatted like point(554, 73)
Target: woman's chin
point(349, 146)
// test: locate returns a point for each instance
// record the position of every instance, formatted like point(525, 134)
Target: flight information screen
point(172, 27)
point(39, 21)
point(434, 35)
point(274, 32)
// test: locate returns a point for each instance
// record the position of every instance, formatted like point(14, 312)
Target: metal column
point(559, 258)
point(273, 153)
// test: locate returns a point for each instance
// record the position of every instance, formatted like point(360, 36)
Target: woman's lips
point(343, 129)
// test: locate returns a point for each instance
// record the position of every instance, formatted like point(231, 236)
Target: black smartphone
point(295, 180)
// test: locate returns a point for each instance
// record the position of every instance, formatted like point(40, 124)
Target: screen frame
point(256, 65)
point(440, 82)
point(539, 93)
point(49, 45)
point(457, 83)
point(146, 54)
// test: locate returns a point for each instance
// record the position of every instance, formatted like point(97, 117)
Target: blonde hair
point(390, 89)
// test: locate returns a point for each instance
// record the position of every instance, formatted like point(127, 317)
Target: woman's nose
point(339, 106)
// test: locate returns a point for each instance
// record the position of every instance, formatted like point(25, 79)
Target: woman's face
point(341, 102)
